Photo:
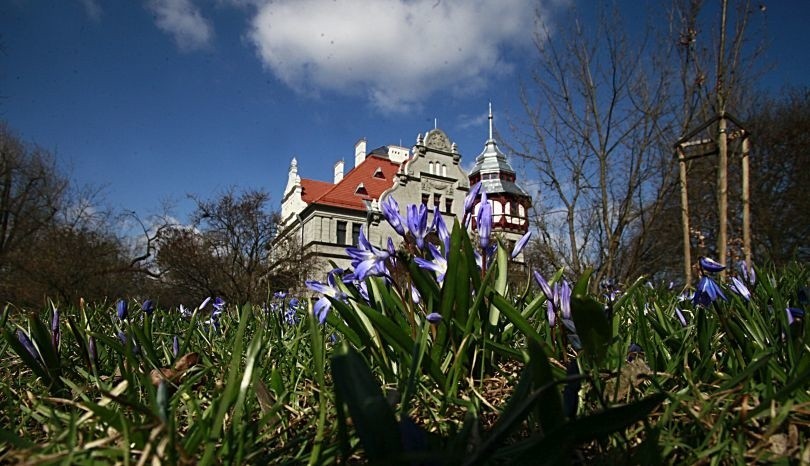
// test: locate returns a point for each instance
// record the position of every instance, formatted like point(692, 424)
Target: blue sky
point(157, 99)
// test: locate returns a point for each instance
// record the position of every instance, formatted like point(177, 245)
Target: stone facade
point(324, 218)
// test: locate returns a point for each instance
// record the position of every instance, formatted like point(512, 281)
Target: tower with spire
point(510, 203)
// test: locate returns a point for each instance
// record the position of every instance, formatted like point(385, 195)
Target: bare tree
point(32, 192)
point(595, 114)
point(228, 251)
point(781, 193)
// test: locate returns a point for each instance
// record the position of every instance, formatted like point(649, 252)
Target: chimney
point(338, 171)
point(359, 152)
point(398, 154)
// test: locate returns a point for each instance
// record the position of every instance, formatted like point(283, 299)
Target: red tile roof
point(313, 189)
point(344, 194)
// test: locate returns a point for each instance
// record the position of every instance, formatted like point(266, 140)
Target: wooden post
point(722, 191)
point(687, 253)
point(746, 201)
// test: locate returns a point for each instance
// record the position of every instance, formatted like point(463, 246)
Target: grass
point(492, 383)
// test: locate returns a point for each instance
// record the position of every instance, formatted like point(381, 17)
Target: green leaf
point(515, 317)
point(502, 263)
point(371, 414)
point(589, 317)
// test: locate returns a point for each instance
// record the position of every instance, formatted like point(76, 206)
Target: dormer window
point(361, 190)
point(378, 173)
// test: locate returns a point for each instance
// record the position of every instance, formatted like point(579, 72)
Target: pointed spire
point(490, 120)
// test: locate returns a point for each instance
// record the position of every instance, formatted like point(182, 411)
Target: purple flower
point(415, 295)
point(550, 311)
point(328, 290)
point(793, 314)
point(563, 300)
point(366, 259)
point(55, 333)
point(417, 223)
point(469, 202)
point(219, 305)
point(681, 317)
point(489, 252)
point(633, 351)
point(390, 210)
point(279, 295)
point(543, 285)
point(121, 309)
point(434, 318)
point(710, 265)
point(749, 275)
point(184, 312)
point(484, 220)
point(22, 337)
point(148, 307)
point(438, 264)
point(521, 244)
point(441, 229)
point(707, 292)
point(91, 349)
point(123, 337)
point(739, 287)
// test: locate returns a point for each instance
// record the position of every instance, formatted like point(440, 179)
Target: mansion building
point(323, 218)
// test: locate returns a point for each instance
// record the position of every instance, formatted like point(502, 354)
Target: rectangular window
point(425, 198)
point(355, 234)
point(341, 232)
point(448, 205)
point(437, 201)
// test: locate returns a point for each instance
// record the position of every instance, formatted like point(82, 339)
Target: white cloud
point(92, 9)
point(183, 20)
point(397, 52)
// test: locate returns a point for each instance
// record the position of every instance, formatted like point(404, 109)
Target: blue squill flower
point(521, 244)
point(441, 230)
point(680, 316)
point(148, 307)
point(279, 295)
point(563, 300)
point(92, 351)
point(484, 220)
point(417, 223)
point(328, 290)
point(366, 259)
point(185, 312)
point(417, 298)
point(489, 252)
point(739, 287)
point(748, 274)
point(794, 314)
point(22, 337)
point(543, 285)
point(434, 318)
point(291, 314)
point(551, 313)
point(219, 306)
point(55, 332)
point(438, 264)
point(633, 351)
point(707, 292)
point(390, 210)
point(121, 309)
point(469, 202)
point(123, 337)
point(710, 265)
point(218, 309)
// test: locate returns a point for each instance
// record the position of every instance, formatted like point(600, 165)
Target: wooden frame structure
point(716, 146)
